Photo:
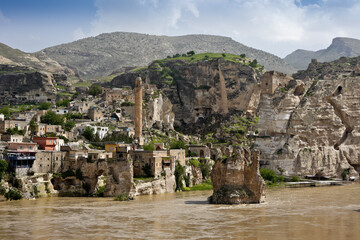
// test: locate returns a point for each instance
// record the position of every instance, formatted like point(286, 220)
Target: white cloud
point(3, 18)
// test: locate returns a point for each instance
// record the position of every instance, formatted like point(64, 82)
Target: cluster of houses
point(44, 150)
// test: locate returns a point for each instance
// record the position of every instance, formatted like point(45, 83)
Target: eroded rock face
point(237, 179)
point(317, 131)
point(22, 84)
point(200, 89)
point(118, 176)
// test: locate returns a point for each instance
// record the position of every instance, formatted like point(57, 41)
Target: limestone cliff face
point(313, 126)
point(21, 84)
point(237, 179)
point(201, 88)
point(158, 110)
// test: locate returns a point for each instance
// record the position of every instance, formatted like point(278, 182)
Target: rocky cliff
point(311, 126)
point(20, 84)
point(102, 55)
point(237, 178)
point(202, 85)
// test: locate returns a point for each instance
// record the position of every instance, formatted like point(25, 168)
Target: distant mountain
point(37, 61)
point(98, 56)
point(340, 47)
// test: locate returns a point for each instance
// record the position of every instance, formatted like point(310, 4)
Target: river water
point(303, 213)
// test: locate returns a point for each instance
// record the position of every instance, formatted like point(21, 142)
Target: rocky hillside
point(102, 55)
point(340, 47)
point(311, 126)
point(202, 85)
point(20, 84)
point(38, 61)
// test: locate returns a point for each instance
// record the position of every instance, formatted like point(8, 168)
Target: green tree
point(33, 126)
point(3, 167)
point(179, 176)
point(68, 125)
point(177, 144)
point(149, 147)
point(253, 63)
point(63, 103)
point(6, 111)
point(89, 133)
point(45, 106)
point(95, 90)
point(52, 118)
point(190, 53)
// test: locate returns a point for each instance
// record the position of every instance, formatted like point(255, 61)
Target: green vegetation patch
point(123, 197)
point(202, 187)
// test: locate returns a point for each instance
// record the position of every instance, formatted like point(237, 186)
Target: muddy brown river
point(304, 213)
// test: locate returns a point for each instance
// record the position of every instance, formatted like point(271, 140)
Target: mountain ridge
point(340, 47)
point(101, 55)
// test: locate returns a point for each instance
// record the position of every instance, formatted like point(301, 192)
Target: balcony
point(18, 158)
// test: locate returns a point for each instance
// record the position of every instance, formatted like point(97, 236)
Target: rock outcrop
point(20, 84)
point(237, 178)
point(202, 88)
point(118, 177)
point(164, 184)
point(312, 126)
point(158, 110)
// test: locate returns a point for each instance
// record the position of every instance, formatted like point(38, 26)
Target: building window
point(30, 147)
point(21, 147)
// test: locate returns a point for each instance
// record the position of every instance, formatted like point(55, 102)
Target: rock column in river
point(237, 179)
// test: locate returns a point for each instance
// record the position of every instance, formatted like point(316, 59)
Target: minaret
point(138, 110)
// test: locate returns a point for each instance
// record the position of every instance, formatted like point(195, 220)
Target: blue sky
point(276, 26)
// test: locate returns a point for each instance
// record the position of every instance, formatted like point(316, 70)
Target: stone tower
point(138, 110)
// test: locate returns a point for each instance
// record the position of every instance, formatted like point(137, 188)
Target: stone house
point(21, 156)
point(114, 94)
point(99, 155)
point(157, 160)
point(57, 129)
point(178, 155)
point(7, 124)
point(154, 159)
point(72, 157)
point(95, 114)
point(61, 111)
point(49, 161)
point(12, 138)
point(202, 151)
point(81, 107)
point(24, 115)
